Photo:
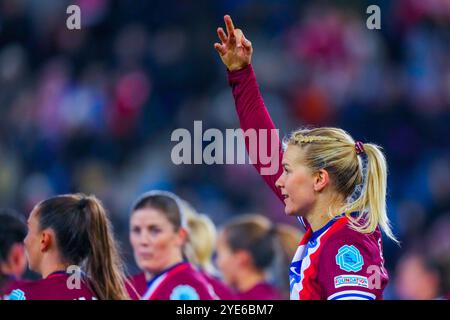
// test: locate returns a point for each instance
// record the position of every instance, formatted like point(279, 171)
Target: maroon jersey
point(54, 287)
point(222, 291)
point(335, 262)
point(180, 282)
point(338, 263)
point(8, 285)
point(139, 286)
point(261, 291)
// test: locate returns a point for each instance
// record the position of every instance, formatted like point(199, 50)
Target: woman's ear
point(17, 259)
point(321, 180)
point(182, 236)
point(243, 258)
point(47, 239)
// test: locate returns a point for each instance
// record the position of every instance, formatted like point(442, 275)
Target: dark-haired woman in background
point(250, 252)
point(13, 262)
point(160, 241)
point(72, 230)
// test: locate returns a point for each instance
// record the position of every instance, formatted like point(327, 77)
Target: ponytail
point(103, 264)
point(370, 196)
point(201, 240)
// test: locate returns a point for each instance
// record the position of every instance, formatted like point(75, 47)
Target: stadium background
point(92, 110)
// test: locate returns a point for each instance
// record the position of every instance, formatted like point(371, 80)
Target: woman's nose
point(144, 240)
point(280, 182)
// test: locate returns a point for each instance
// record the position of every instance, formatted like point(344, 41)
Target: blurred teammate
point(13, 262)
point(71, 230)
point(247, 248)
point(203, 237)
point(334, 185)
point(287, 237)
point(159, 237)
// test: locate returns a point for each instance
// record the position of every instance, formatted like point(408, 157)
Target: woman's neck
point(247, 279)
point(150, 275)
point(51, 267)
point(319, 216)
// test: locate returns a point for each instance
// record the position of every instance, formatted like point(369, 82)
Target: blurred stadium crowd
point(92, 110)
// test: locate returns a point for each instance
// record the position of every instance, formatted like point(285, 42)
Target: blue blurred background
point(92, 110)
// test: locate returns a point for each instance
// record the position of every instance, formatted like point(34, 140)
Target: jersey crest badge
point(17, 295)
point(349, 259)
point(184, 292)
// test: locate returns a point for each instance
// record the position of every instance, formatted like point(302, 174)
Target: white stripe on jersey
point(153, 286)
point(302, 222)
point(352, 295)
point(295, 292)
point(353, 298)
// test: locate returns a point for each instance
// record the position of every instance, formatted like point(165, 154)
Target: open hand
point(235, 50)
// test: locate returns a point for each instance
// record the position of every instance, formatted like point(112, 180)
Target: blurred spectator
point(419, 278)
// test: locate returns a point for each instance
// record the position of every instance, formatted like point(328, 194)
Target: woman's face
point(155, 242)
point(296, 183)
point(32, 242)
point(226, 260)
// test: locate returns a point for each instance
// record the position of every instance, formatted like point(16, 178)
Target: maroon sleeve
point(351, 267)
point(253, 114)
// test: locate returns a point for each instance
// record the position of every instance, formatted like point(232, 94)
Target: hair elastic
point(359, 147)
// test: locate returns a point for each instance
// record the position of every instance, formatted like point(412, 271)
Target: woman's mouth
point(145, 255)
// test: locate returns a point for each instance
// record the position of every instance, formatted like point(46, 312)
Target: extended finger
point(229, 25)
point(219, 48)
point(222, 35)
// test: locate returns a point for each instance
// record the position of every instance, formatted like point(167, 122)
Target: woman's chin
point(289, 211)
point(147, 267)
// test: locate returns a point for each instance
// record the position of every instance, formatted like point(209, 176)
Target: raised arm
point(236, 53)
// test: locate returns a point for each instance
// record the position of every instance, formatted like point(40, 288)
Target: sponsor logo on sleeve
point(349, 259)
point(351, 281)
point(184, 292)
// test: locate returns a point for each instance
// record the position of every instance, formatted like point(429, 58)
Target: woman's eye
point(154, 231)
point(136, 230)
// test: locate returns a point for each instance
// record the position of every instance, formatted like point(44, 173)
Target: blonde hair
point(202, 239)
point(361, 179)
